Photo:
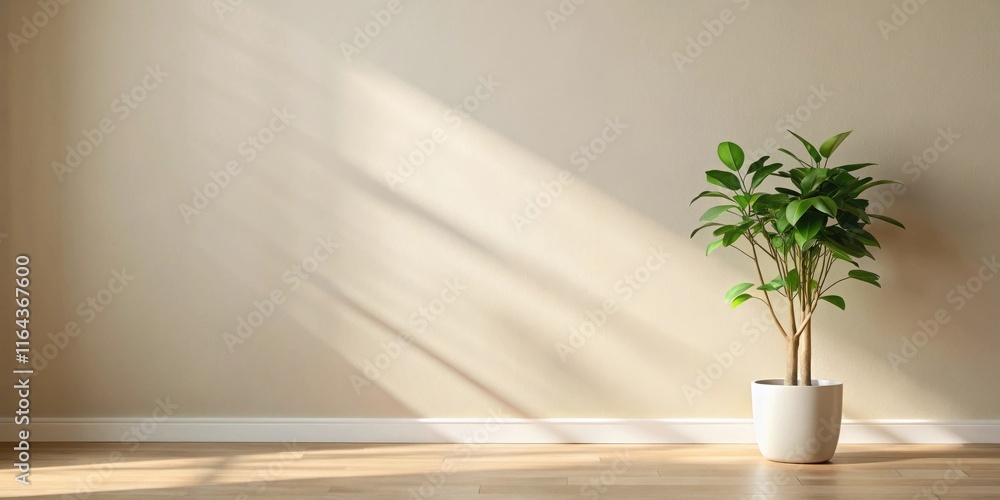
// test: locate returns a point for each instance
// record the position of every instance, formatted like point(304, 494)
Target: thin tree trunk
point(792, 348)
point(791, 360)
point(805, 365)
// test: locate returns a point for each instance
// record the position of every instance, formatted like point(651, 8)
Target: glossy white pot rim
point(781, 382)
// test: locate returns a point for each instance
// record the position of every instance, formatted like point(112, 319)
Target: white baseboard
point(480, 430)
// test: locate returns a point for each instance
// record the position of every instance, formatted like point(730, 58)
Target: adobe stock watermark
point(795, 119)
point(583, 157)
point(130, 440)
point(563, 11)
point(826, 431)
point(593, 487)
point(248, 149)
point(901, 13)
point(272, 470)
point(419, 321)
point(725, 359)
point(408, 163)
point(624, 290)
point(366, 33)
point(714, 28)
point(940, 487)
point(223, 8)
point(471, 442)
point(293, 279)
point(958, 296)
point(121, 108)
point(87, 311)
point(884, 197)
point(30, 26)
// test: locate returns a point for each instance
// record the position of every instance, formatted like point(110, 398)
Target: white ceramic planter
point(797, 424)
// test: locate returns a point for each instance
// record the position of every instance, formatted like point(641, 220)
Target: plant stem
point(742, 252)
point(791, 300)
point(770, 307)
point(792, 353)
point(805, 322)
point(791, 359)
point(825, 262)
point(805, 365)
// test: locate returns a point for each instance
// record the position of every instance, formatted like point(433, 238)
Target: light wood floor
point(406, 471)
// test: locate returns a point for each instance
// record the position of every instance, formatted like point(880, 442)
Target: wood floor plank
point(676, 481)
point(896, 481)
point(933, 473)
point(982, 472)
point(499, 472)
point(631, 490)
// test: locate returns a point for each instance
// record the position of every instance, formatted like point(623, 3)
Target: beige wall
point(525, 286)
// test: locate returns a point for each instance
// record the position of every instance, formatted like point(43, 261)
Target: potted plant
point(795, 235)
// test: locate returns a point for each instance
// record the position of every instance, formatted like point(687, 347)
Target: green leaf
point(731, 233)
point(731, 237)
point(760, 175)
point(710, 194)
point(771, 201)
point(712, 246)
point(789, 153)
point(723, 230)
point(860, 182)
point(746, 200)
point(872, 184)
point(723, 179)
point(743, 226)
point(731, 155)
point(840, 255)
point(813, 179)
point(775, 284)
point(778, 243)
point(835, 300)
point(855, 211)
point(839, 239)
point(743, 200)
point(797, 209)
point(864, 237)
point(781, 222)
point(855, 166)
point(890, 220)
point(741, 299)
point(832, 144)
point(757, 164)
point(797, 174)
point(714, 212)
point(826, 205)
point(841, 252)
point(703, 226)
point(790, 192)
point(792, 279)
point(736, 290)
point(862, 275)
point(809, 147)
point(808, 228)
